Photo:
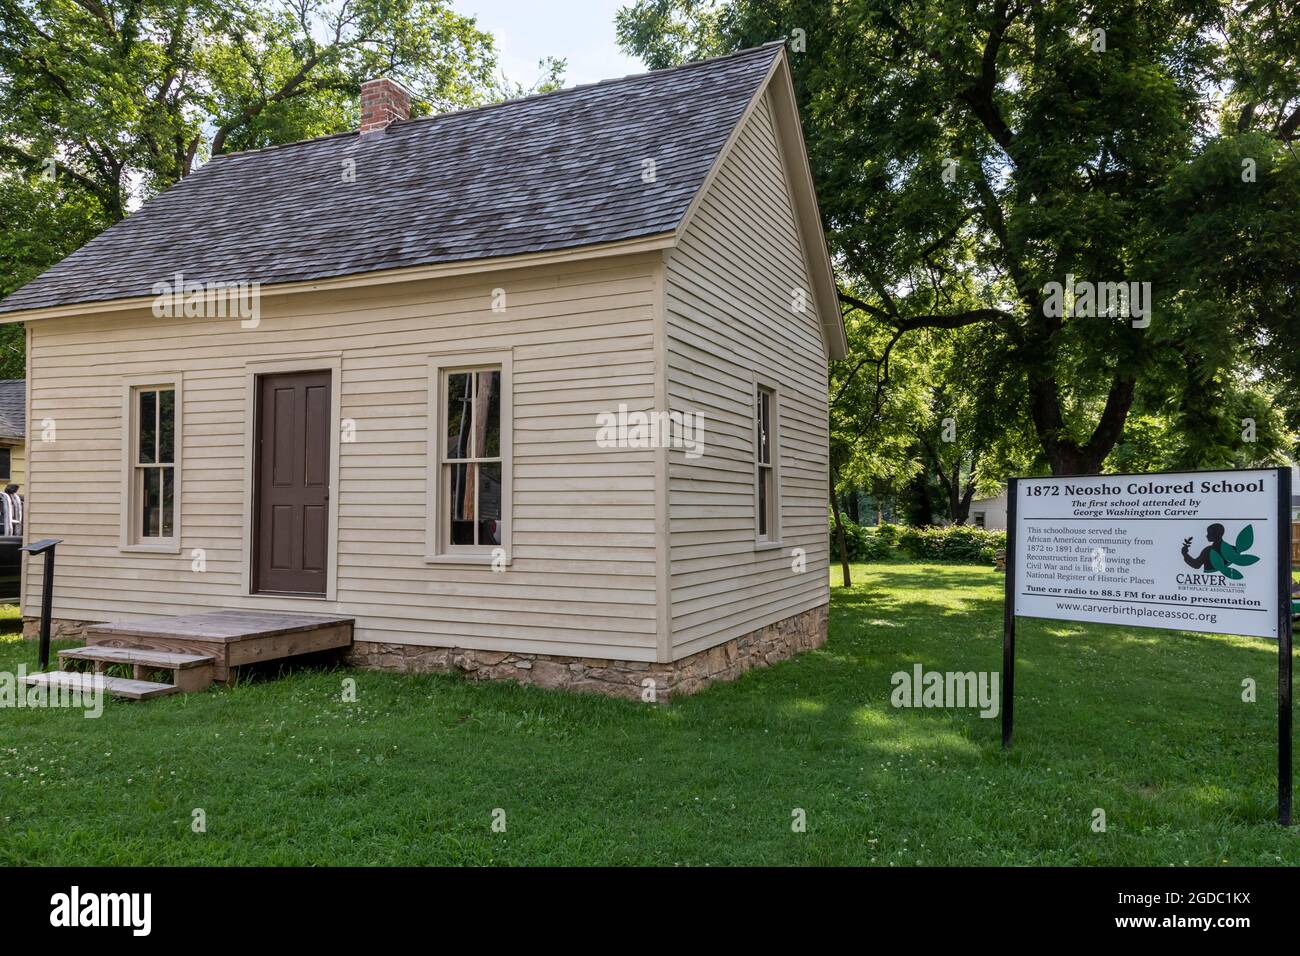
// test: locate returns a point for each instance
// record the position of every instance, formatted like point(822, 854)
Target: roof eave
point(460, 267)
point(808, 213)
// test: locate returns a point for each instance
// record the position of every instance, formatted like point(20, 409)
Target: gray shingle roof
point(542, 173)
point(13, 407)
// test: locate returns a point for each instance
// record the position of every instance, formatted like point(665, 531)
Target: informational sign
point(1195, 551)
point(1190, 551)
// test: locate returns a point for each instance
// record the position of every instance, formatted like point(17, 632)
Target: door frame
point(331, 362)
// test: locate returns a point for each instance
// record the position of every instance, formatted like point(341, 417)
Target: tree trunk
point(963, 503)
point(839, 535)
point(955, 510)
point(854, 509)
point(1066, 456)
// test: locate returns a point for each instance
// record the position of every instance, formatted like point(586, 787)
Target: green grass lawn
point(1147, 725)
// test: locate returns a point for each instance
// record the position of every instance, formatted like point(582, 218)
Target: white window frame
point(773, 537)
point(130, 538)
point(437, 547)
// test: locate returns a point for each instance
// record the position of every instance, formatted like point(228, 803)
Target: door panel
point(291, 483)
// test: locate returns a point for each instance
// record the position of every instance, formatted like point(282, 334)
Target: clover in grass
point(1221, 556)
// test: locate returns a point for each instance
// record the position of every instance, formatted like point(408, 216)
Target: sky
point(580, 31)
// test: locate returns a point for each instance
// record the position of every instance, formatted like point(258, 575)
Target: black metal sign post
point(46, 547)
point(1009, 618)
point(1284, 647)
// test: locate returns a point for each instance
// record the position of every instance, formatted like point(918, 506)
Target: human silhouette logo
point(1220, 556)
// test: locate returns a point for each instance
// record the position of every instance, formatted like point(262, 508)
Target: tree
point(873, 397)
point(41, 221)
point(149, 88)
point(104, 103)
point(969, 154)
point(953, 467)
point(1249, 432)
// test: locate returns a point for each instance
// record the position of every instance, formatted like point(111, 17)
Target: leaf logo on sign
point(1228, 554)
point(1221, 556)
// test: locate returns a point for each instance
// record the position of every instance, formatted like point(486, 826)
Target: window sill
point(170, 547)
point(328, 597)
point(473, 560)
point(768, 545)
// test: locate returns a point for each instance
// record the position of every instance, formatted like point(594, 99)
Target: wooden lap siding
point(582, 580)
point(729, 288)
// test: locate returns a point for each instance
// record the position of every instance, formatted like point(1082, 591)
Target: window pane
point(459, 394)
point(460, 488)
point(168, 501)
point(763, 474)
point(772, 526)
point(167, 425)
point(487, 415)
point(150, 503)
point(764, 426)
point(489, 504)
point(148, 427)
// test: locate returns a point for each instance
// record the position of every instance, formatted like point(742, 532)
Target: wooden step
point(190, 672)
point(232, 637)
point(116, 686)
point(136, 655)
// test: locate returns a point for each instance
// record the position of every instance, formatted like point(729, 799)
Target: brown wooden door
point(291, 483)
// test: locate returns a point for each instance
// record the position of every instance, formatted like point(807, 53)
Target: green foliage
point(1109, 163)
point(40, 223)
point(1233, 425)
point(874, 408)
point(862, 543)
point(952, 543)
point(119, 101)
point(948, 543)
point(667, 32)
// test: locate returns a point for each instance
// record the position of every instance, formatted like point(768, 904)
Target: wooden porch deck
point(197, 649)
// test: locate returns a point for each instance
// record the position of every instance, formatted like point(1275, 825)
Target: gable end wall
point(730, 319)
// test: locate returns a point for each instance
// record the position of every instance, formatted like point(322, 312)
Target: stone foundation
point(628, 679)
point(767, 645)
point(61, 629)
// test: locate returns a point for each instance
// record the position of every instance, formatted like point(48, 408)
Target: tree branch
point(254, 109)
point(910, 323)
point(979, 96)
point(1111, 424)
point(35, 165)
point(1288, 128)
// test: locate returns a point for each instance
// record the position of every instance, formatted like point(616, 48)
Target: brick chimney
point(383, 101)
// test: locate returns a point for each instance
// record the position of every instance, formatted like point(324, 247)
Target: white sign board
point(1193, 551)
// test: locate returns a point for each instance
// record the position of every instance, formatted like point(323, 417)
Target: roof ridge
point(421, 120)
point(626, 78)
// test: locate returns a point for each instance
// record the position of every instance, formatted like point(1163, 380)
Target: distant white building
point(990, 513)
